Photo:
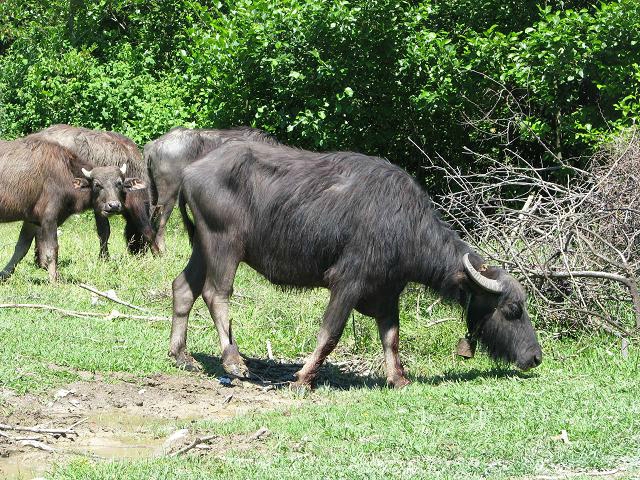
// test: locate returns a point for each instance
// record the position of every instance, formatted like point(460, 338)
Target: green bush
point(495, 77)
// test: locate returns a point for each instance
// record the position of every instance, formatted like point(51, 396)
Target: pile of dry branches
point(575, 243)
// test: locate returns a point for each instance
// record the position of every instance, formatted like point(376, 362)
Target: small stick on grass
point(193, 445)
point(73, 313)
point(113, 298)
point(50, 431)
point(38, 445)
point(437, 322)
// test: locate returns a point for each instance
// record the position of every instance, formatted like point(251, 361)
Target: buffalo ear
point(81, 183)
point(131, 184)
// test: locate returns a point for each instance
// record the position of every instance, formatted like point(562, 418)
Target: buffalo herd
point(354, 224)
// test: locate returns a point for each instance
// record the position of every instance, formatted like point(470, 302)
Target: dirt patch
point(122, 416)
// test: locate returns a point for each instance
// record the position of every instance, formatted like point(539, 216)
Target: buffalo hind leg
point(27, 232)
point(218, 288)
point(187, 287)
point(335, 317)
point(104, 232)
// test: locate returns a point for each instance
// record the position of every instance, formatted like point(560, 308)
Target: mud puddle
point(120, 418)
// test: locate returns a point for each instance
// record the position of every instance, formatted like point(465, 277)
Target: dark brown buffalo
point(357, 225)
point(101, 149)
point(167, 156)
point(41, 184)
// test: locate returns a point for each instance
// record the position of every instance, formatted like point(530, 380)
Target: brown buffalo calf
point(42, 183)
point(110, 149)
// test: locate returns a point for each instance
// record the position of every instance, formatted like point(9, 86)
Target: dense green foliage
point(363, 75)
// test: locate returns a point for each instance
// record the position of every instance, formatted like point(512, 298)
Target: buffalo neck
point(81, 200)
point(439, 258)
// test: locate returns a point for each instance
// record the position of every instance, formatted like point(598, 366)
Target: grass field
point(458, 419)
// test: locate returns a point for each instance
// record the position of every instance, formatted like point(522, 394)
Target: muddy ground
point(127, 416)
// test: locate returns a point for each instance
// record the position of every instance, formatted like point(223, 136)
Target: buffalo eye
point(97, 185)
point(513, 311)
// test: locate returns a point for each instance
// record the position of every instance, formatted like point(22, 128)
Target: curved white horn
point(86, 173)
point(488, 284)
point(123, 168)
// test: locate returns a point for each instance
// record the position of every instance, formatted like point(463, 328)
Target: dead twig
point(39, 445)
point(193, 445)
point(111, 296)
point(49, 431)
point(574, 242)
point(114, 314)
point(439, 321)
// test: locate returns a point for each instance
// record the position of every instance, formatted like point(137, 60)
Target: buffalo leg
point(27, 232)
point(49, 248)
point(38, 257)
point(186, 288)
point(104, 231)
point(221, 271)
point(389, 330)
point(335, 318)
point(161, 214)
point(138, 231)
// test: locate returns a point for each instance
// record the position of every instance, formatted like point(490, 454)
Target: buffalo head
point(108, 188)
point(497, 316)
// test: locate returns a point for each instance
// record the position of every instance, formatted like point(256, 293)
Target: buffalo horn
point(488, 284)
point(123, 168)
point(86, 173)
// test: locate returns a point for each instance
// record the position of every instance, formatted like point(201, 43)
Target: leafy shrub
point(549, 84)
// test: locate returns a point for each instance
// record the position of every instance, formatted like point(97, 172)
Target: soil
point(128, 416)
point(121, 416)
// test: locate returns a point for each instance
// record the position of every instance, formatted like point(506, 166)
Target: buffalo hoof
point(233, 363)
point(398, 382)
point(186, 362)
point(303, 383)
point(238, 370)
point(300, 387)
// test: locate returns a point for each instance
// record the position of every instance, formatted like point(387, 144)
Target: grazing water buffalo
point(167, 156)
point(357, 225)
point(100, 148)
point(41, 184)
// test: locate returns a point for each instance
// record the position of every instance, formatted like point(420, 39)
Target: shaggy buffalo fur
point(167, 156)
point(354, 224)
point(100, 148)
point(41, 184)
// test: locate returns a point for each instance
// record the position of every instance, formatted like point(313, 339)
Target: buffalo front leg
point(104, 232)
point(389, 330)
point(335, 318)
point(49, 248)
point(138, 230)
point(186, 288)
point(161, 215)
point(27, 232)
point(217, 290)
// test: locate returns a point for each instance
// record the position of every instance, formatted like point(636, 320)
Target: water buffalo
point(42, 183)
point(357, 225)
point(100, 148)
point(167, 156)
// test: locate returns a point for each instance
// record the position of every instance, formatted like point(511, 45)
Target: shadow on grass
point(281, 373)
point(497, 372)
point(345, 375)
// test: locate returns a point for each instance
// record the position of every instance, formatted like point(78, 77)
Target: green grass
point(459, 419)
